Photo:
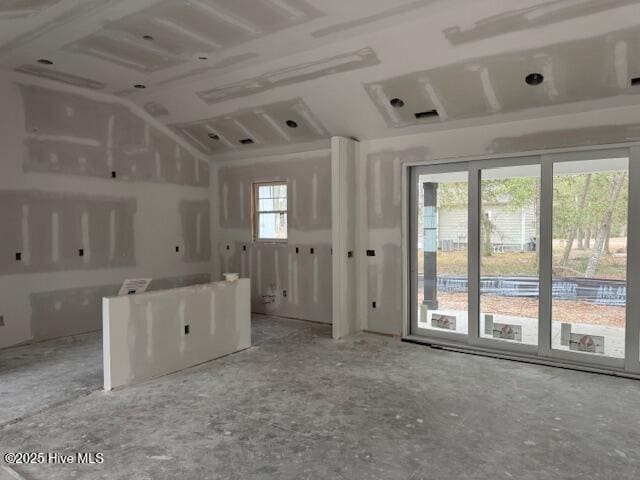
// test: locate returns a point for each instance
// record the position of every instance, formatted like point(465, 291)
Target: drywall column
point(344, 152)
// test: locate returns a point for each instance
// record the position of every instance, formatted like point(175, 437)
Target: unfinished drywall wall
point(156, 333)
point(45, 231)
point(92, 191)
point(68, 133)
point(379, 189)
point(292, 279)
point(69, 311)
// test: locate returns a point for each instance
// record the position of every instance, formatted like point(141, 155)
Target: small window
point(270, 204)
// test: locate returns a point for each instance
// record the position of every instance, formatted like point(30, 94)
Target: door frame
point(542, 353)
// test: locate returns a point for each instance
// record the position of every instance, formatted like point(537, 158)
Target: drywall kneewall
point(156, 333)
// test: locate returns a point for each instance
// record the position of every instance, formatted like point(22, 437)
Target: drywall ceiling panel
point(23, 8)
point(516, 20)
point(175, 31)
point(205, 137)
point(122, 50)
point(261, 127)
point(411, 90)
point(58, 76)
point(267, 16)
point(312, 70)
point(156, 109)
point(265, 126)
point(308, 127)
point(497, 84)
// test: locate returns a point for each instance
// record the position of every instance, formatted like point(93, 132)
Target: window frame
point(255, 211)
point(543, 354)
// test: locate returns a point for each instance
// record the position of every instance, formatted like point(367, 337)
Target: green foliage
point(453, 194)
point(566, 191)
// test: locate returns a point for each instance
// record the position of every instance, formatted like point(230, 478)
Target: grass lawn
point(611, 267)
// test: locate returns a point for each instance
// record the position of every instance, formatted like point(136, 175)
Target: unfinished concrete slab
point(300, 405)
point(58, 370)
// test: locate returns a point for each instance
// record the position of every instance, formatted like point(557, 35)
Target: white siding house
point(513, 229)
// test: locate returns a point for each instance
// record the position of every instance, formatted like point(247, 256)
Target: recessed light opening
point(635, 81)
point(139, 86)
point(148, 37)
point(397, 103)
point(534, 79)
point(44, 61)
point(427, 114)
point(213, 136)
point(246, 141)
point(292, 124)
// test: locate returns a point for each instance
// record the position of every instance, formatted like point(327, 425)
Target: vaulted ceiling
point(238, 75)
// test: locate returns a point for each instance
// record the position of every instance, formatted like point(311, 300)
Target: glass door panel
point(442, 219)
point(509, 255)
point(589, 267)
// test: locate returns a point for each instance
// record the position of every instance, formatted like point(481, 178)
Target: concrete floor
point(298, 406)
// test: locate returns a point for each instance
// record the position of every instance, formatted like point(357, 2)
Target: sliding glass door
point(509, 233)
point(527, 255)
point(441, 251)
